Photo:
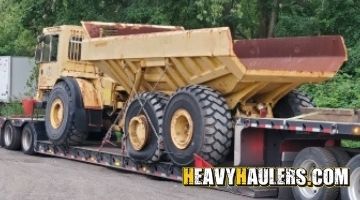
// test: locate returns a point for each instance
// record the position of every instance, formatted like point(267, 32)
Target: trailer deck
point(272, 133)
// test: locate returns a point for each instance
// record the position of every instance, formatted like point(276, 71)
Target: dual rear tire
point(353, 191)
point(15, 138)
point(309, 159)
point(195, 120)
point(317, 157)
point(11, 137)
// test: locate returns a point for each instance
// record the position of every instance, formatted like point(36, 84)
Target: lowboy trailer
point(270, 142)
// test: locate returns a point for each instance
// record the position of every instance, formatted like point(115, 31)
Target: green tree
point(22, 20)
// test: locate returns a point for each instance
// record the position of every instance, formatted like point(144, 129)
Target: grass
point(350, 144)
point(11, 109)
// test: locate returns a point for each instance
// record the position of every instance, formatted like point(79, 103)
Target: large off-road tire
point(11, 137)
point(310, 158)
point(143, 126)
point(197, 121)
point(290, 105)
point(353, 191)
point(27, 140)
point(61, 115)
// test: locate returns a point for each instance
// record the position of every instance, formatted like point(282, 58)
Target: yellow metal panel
point(202, 42)
point(107, 91)
point(209, 75)
point(286, 76)
point(181, 68)
point(246, 72)
point(89, 94)
point(153, 62)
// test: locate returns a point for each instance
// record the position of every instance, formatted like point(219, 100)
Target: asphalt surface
point(38, 177)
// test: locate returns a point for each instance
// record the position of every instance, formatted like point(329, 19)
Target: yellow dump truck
point(187, 98)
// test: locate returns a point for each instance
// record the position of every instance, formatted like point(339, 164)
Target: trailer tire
point(208, 122)
point(342, 158)
point(63, 130)
point(1, 137)
point(353, 191)
point(290, 105)
point(320, 158)
point(151, 148)
point(11, 137)
point(27, 140)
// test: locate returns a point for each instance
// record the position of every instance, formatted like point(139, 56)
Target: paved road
point(25, 177)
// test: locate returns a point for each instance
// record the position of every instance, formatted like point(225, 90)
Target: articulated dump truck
point(185, 98)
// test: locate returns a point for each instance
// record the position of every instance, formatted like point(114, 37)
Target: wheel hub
point(7, 136)
point(56, 113)
point(181, 128)
point(309, 192)
point(354, 188)
point(26, 140)
point(138, 132)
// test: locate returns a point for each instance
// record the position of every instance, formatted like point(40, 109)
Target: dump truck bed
point(246, 71)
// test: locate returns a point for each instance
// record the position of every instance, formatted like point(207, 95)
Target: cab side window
point(47, 48)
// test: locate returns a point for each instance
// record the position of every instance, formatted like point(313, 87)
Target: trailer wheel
point(11, 137)
point(27, 140)
point(142, 143)
point(197, 120)
point(310, 158)
point(60, 120)
point(1, 137)
point(290, 105)
point(353, 191)
point(342, 158)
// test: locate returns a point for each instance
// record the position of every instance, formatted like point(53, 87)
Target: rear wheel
point(197, 120)
point(353, 191)
point(342, 158)
point(60, 119)
point(143, 125)
point(1, 138)
point(291, 104)
point(11, 137)
point(27, 140)
point(309, 159)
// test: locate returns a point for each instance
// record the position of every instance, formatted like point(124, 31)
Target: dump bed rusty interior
point(161, 58)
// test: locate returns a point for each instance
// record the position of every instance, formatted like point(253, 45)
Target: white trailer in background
point(14, 72)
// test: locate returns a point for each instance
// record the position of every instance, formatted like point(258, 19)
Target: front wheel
point(61, 113)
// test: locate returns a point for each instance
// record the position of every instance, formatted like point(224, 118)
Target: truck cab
point(58, 54)
point(77, 96)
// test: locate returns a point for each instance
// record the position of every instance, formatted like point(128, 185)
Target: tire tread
point(218, 123)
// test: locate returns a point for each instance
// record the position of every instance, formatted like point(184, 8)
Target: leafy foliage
point(11, 109)
point(22, 20)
